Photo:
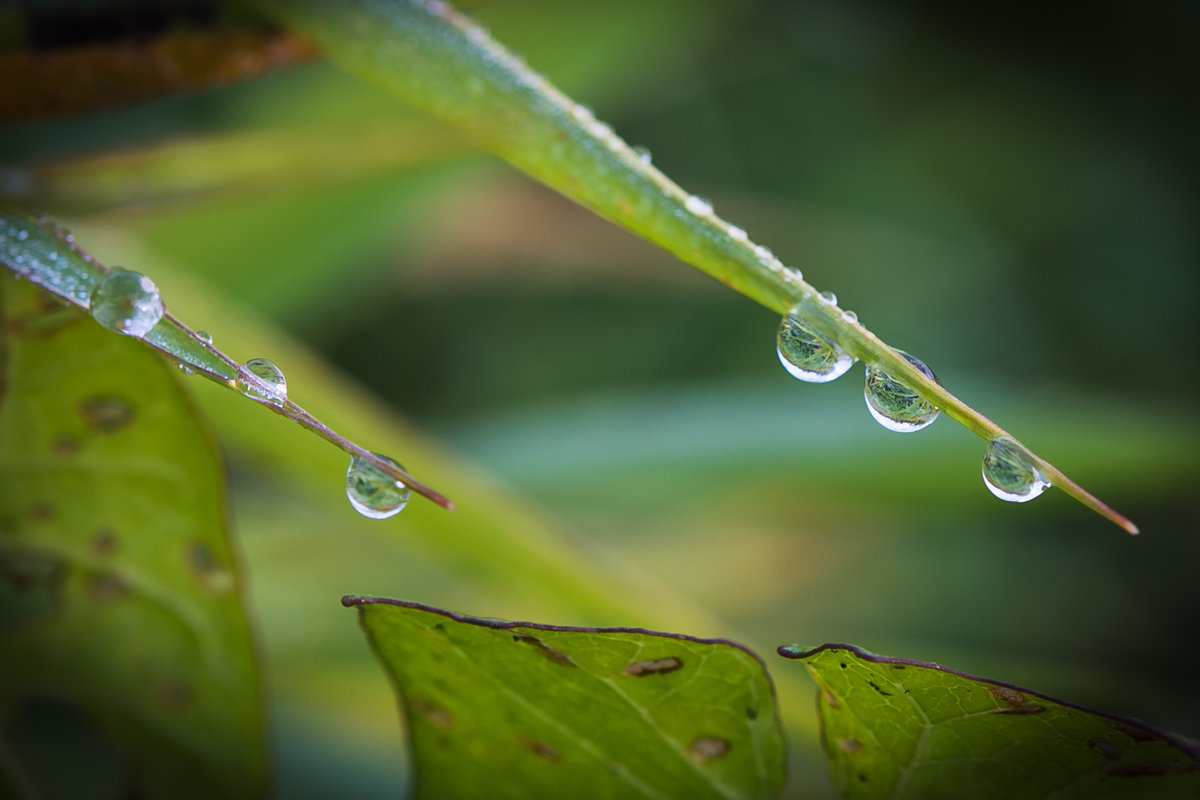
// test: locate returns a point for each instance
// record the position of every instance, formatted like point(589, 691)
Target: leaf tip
point(352, 600)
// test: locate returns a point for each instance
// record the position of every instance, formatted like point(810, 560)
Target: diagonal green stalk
point(442, 62)
point(34, 249)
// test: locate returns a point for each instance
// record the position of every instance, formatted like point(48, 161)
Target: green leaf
point(898, 728)
point(533, 710)
point(128, 664)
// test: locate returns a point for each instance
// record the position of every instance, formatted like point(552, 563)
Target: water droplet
point(894, 405)
point(204, 336)
point(763, 254)
point(850, 317)
point(643, 154)
point(1010, 473)
point(373, 492)
point(737, 234)
point(828, 297)
point(126, 302)
point(185, 369)
point(807, 355)
point(698, 205)
point(271, 384)
point(795, 274)
point(22, 235)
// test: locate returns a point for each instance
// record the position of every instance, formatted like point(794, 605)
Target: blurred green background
point(1010, 194)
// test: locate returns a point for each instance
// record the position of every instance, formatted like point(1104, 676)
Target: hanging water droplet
point(1010, 472)
point(127, 302)
point(373, 492)
point(643, 154)
point(828, 297)
point(850, 317)
point(185, 369)
point(737, 234)
point(894, 405)
point(271, 384)
point(204, 336)
point(807, 355)
point(698, 205)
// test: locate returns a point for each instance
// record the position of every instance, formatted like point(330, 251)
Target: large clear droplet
point(271, 384)
point(373, 492)
point(807, 355)
point(1010, 473)
point(126, 302)
point(894, 405)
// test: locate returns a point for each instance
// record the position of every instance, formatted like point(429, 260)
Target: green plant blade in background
point(530, 710)
point(905, 729)
point(440, 61)
point(128, 666)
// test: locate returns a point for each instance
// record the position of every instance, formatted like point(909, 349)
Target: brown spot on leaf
point(31, 584)
point(213, 575)
point(1106, 747)
point(656, 666)
point(107, 413)
point(543, 649)
point(41, 513)
point(171, 694)
point(1023, 710)
point(849, 744)
point(105, 586)
point(708, 748)
point(539, 748)
point(64, 446)
point(1139, 735)
point(830, 699)
point(104, 542)
point(1007, 696)
point(434, 713)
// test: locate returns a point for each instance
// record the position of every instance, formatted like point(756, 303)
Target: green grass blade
point(440, 61)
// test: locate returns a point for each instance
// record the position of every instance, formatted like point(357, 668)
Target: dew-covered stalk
point(128, 303)
point(438, 60)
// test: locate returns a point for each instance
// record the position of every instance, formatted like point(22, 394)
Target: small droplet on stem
point(373, 492)
point(807, 355)
point(1010, 472)
point(896, 406)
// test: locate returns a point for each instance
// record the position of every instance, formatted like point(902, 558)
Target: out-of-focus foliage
point(128, 665)
point(1007, 194)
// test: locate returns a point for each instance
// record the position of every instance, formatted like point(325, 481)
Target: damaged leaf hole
point(708, 748)
point(107, 413)
point(656, 666)
point(210, 572)
point(544, 650)
point(1106, 747)
point(434, 713)
point(539, 748)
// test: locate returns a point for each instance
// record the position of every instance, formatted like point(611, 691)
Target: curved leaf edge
point(1187, 746)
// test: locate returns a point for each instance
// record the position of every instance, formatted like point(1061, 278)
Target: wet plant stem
point(440, 61)
point(35, 249)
